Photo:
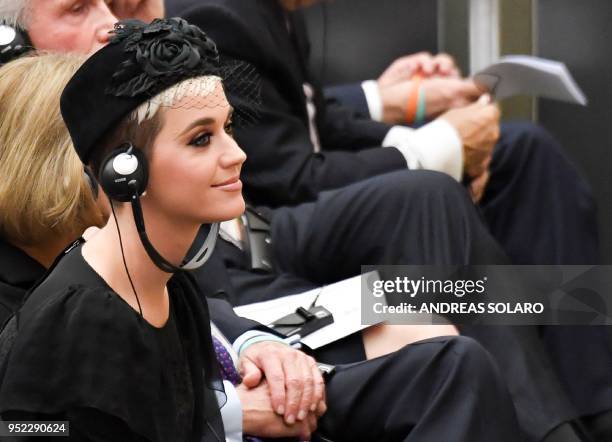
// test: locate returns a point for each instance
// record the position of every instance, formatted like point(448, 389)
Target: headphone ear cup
point(14, 42)
point(124, 170)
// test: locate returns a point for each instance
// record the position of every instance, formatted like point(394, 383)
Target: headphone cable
point(124, 261)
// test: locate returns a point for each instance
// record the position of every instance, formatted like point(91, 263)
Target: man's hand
point(145, 10)
point(259, 418)
point(478, 185)
point(295, 382)
point(441, 94)
point(478, 128)
point(423, 63)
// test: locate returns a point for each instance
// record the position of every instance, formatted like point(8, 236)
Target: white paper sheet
point(342, 299)
point(527, 75)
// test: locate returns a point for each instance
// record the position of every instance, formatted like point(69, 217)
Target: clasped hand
point(282, 391)
point(458, 101)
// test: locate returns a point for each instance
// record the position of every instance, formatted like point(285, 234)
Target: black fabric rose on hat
point(162, 51)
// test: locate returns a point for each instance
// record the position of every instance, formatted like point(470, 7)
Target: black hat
point(139, 62)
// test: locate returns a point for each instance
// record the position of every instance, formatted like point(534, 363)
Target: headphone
point(14, 42)
point(124, 175)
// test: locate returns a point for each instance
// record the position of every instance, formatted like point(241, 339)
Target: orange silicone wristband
point(413, 99)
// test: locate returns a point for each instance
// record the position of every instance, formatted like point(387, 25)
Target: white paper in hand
point(533, 76)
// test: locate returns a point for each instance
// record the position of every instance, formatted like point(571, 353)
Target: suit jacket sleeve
point(230, 324)
point(282, 167)
point(215, 285)
point(350, 95)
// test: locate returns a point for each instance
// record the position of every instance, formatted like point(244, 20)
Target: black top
point(77, 351)
point(18, 274)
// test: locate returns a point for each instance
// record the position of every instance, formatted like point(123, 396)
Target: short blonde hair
point(43, 190)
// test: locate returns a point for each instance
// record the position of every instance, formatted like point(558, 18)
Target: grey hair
point(14, 12)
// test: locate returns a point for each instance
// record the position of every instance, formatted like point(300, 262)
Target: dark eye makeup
point(201, 140)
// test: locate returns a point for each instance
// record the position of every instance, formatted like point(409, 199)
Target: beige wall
point(516, 37)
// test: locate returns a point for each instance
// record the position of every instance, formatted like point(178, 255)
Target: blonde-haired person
point(46, 201)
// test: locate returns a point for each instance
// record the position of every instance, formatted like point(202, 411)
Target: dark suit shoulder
point(242, 29)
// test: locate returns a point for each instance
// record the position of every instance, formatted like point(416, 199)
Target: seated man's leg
point(405, 217)
point(419, 217)
point(541, 210)
point(541, 401)
point(226, 275)
point(537, 204)
point(442, 389)
point(582, 356)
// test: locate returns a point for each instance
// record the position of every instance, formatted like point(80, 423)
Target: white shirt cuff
point(244, 338)
point(231, 414)
point(435, 146)
point(372, 96)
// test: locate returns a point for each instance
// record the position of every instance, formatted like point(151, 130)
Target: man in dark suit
point(534, 195)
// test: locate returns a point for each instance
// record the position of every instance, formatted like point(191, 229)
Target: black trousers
point(536, 204)
point(541, 210)
point(442, 389)
point(412, 218)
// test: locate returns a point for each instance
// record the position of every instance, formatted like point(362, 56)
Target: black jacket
point(282, 167)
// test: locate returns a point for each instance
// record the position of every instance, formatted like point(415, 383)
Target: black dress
point(77, 351)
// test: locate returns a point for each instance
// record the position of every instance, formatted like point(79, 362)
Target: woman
point(43, 215)
point(46, 201)
point(131, 323)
